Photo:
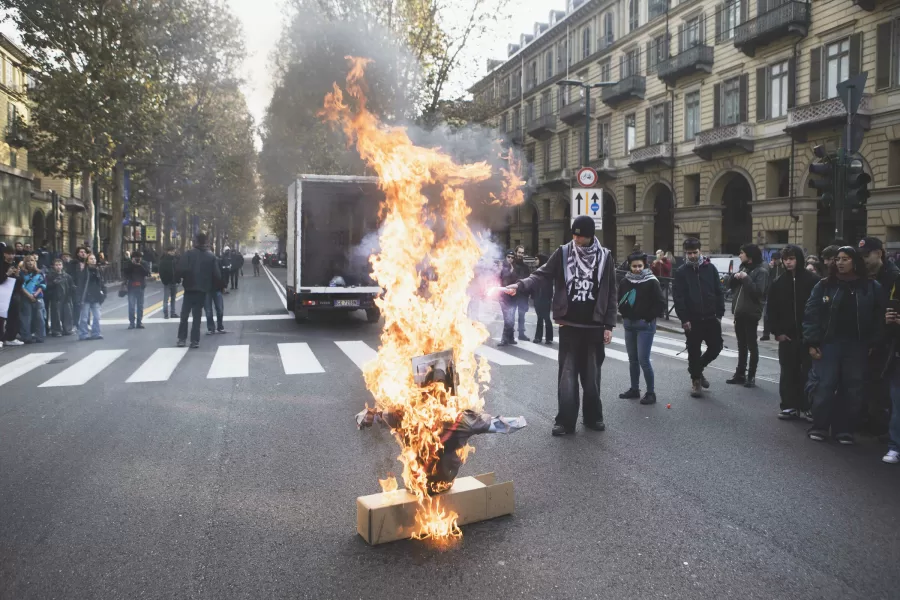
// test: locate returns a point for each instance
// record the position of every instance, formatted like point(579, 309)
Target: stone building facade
point(706, 122)
point(15, 180)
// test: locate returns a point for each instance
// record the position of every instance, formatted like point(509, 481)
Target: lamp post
point(586, 87)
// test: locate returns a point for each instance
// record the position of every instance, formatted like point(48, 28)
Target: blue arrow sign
point(595, 207)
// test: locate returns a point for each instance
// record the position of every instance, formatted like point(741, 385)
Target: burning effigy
point(425, 264)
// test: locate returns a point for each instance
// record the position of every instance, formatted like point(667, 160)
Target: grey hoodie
point(750, 292)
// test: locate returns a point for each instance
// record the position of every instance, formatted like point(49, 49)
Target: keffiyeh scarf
point(584, 261)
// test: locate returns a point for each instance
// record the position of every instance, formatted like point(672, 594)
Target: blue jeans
point(214, 298)
point(522, 307)
point(170, 290)
point(508, 306)
point(638, 342)
point(843, 364)
point(31, 320)
point(89, 310)
point(894, 427)
point(135, 305)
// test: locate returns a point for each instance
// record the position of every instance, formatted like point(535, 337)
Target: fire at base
point(426, 262)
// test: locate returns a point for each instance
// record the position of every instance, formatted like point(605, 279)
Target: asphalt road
point(220, 476)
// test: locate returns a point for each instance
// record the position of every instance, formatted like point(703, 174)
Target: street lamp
point(587, 108)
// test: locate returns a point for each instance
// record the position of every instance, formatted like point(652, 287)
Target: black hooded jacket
point(787, 299)
point(198, 269)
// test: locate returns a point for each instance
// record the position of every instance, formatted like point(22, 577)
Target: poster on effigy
point(6, 292)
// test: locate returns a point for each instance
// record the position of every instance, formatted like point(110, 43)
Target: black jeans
point(234, 279)
point(842, 369)
point(59, 313)
point(793, 357)
point(581, 354)
point(543, 320)
point(508, 308)
point(191, 307)
point(12, 321)
point(709, 331)
point(745, 330)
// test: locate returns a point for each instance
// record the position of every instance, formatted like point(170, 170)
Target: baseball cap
point(869, 244)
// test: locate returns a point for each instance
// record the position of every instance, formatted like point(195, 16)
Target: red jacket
point(662, 268)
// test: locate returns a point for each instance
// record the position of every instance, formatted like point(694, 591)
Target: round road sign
point(587, 177)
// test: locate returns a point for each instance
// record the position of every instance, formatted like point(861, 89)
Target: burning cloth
point(454, 436)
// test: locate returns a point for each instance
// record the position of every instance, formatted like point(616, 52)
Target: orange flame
point(426, 262)
point(464, 452)
point(388, 484)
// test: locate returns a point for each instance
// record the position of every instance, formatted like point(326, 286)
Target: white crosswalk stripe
point(23, 365)
point(552, 352)
point(500, 358)
point(298, 359)
point(85, 369)
point(230, 362)
point(159, 367)
point(359, 352)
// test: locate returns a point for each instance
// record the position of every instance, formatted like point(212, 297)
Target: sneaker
point(131, 326)
point(195, 345)
point(737, 378)
point(596, 426)
point(210, 332)
point(817, 435)
point(549, 342)
point(165, 316)
point(750, 383)
point(56, 334)
point(649, 398)
point(139, 326)
point(1, 343)
point(789, 414)
point(67, 333)
point(630, 394)
point(765, 338)
point(560, 430)
point(845, 439)
point(96, 337)
point(808, 416)
point(696, 388)
point(536, 341)
point(174, 316)
point(514, 342)
point(15, 343)
point(222, 331)
point(181, 343)
point(704, 382)
point(38, 340)
point(892, 457)
point(503, 343)
point(524, 338)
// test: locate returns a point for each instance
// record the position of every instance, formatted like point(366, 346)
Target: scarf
point(700, 260)
point(584, 261)
point(642, 277)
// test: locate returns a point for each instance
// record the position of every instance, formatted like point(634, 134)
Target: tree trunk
point(87, 200)
point(118, 214)
point(159, 225)
point(185, 231)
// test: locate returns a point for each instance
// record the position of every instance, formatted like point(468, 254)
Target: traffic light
point(821, 176)
point(857, 184)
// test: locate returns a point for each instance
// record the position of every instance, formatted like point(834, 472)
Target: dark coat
point(697, 292)
point(90, 287)
point(168, 266)
point(649, 302)
point(819, 317)
point(136, 274)
point(199, 270)
point(554, 271)
point(60, 287)
point(787, 302)
point(750, 292)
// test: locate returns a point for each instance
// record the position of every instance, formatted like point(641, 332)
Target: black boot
point(751, 379)
point(738, 378)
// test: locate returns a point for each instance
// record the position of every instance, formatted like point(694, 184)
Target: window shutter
point(744, 93)
point(855, 53)
point(649, 57)
point(762, 7)
point(717, 104)
point(883, 59)
point(703, 28)
point(743, 10)
point(681, 38)
point(647, 118)
point(792, 83)
point(815, 75)
point(668, 107)
point(761, 94)
point(719, 12)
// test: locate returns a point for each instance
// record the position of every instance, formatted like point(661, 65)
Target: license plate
point(346, 302)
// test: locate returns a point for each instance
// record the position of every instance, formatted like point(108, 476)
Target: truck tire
point(373, 315)
point(301, 315)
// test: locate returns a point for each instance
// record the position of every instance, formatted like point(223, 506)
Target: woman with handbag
point(92, 293)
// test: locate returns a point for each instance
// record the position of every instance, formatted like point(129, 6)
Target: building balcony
point(557, 179)
point(573, 113)
point(727, 137)
point(542, 127)
point(824, 114)
point(649, 156)
point(15, 137)
point(605, 167)
point(791, 18)
point(628, 88)
point(696, 59)
point(71, 202)
point(516, 138)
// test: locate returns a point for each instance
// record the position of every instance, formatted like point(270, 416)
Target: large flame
point(426, 262)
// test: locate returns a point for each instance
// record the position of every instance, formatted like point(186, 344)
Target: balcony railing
point(825, 113)
point(628, 88)
point(573, 112)
point(739, 135)
point(692, 60)
point(790, 18)
point(642, 158)
point(542, 127)
point(605, 41)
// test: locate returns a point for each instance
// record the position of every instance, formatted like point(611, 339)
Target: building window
point(729, 18)
point(529, 112)
point(633, 9)
point(517, 120)
point(631, 63)
point(13, 158)
point(778, 90)
point(630, 132)
point(692, 189)
point(691, 115)
point(656, 53)
point(532, 75)
point(608, 31)
point(731, 101)
point(692, 33)
point(837, 66)
point(605, 69)
point(560, 55)
point(603, 139)
point(548, 64)
point(778, 178)
point(655, 8)
point(545, 156)
point(658, 133)
point(563, 150)
point(546, 106)
point(562, 96)
point(504, 125)
point(585, 42)
point(579, 147)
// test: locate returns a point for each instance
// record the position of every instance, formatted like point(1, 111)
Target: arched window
point(633, 8)
point(548, 64)
point(586, 42)
point(608, 35)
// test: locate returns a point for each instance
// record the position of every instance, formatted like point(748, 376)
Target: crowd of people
point(836, 319)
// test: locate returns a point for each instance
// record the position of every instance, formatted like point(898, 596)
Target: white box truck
point(332, 221)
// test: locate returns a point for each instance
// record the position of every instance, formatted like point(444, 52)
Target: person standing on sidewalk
point(521, 300)
point(583, 274)
point(169, 279)
point(215, 299)
point(640, 303)
point(91, 292)
point(135, 274)
point(543, 299)
point(237, 264)
point(9, 269)
point(750, 285)
point(508, 276)
point(225, 262)
point(842, 322)
point(892, 371)
point(256, 260)
point(198, 269)
point(700, 305)
point(776, 270)
point(787, 301)
point(60, 294)
point(31, 310)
